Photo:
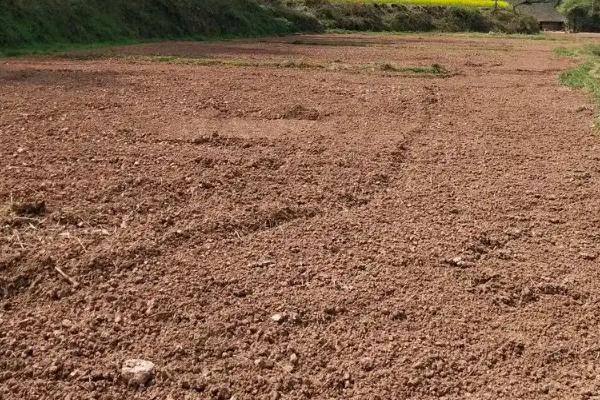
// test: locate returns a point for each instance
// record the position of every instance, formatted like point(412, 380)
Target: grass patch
point(434, 69)
point(455, 3)
point(53, 48)
point(580, 77)
point(579, 52)
point(586, 75)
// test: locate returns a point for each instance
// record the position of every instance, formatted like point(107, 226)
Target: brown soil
point(419, 236)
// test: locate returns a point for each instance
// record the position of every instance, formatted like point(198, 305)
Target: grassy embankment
point(418, 16)
point(30, 26)
point(36, 26)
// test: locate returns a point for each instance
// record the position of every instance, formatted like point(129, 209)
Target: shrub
point(416, 19)
point(460, 19)
point(582, 15)
point(34, 22)
point(407, 18)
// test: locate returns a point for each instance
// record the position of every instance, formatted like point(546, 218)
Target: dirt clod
point(278, 318)
point(137, 372)
point(367, 363)
point(300, 112)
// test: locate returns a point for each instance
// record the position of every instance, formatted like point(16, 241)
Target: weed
point(586, 75)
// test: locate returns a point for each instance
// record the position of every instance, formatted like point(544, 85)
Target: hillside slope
point(30, 23)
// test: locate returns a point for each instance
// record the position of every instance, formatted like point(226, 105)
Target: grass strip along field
point(454, 3)
point(587, 75)
point(386, 67)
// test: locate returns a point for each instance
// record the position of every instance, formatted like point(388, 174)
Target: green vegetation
point(582, 15)
point(38, 25)
point(457, 3)
point(584, 76)
point(403, 18)
point(33, 26)
point(587, 75)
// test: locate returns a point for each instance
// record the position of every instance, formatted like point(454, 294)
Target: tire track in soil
point(272, 219)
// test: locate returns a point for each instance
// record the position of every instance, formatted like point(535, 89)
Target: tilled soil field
point(322, 217)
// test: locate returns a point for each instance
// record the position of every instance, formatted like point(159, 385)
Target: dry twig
point(66, 277)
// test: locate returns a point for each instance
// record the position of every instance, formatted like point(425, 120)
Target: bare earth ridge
point(293, 220)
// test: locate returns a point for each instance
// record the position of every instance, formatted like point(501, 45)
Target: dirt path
point(417, 235)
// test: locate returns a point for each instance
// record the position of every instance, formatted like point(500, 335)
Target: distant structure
point(544, 12)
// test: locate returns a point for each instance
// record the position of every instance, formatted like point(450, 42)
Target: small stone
point(294, 358)
point(278, 318)
point(20, 150)
point(263, 363)
point(137, 372)
point(288, 368)
point(588, 256)
point(399, 315)
point(294, 317)
point(460, 262)
point(367, 363)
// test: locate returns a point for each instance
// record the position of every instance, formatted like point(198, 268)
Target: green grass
point(35, 26)
point(455, 3)
point(582, 76)
point(585, 76)
point(51, 48)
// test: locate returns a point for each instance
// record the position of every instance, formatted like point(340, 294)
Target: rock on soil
point(137, 372)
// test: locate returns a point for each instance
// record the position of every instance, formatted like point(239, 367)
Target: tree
point(582, 15)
